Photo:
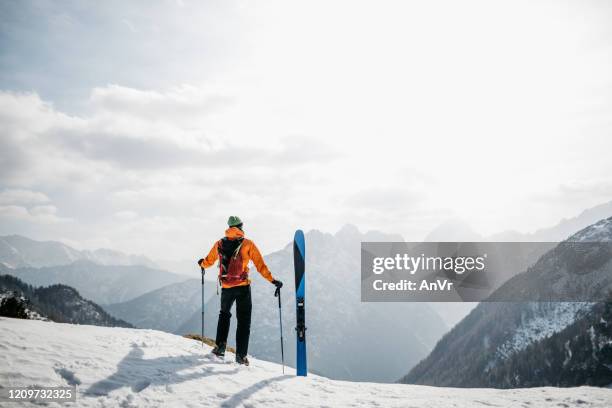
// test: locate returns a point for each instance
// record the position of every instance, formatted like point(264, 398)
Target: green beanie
point(234, 220)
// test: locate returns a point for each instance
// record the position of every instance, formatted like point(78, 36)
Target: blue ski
point(299, 254)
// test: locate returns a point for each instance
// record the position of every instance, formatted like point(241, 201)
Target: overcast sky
point(141, 126)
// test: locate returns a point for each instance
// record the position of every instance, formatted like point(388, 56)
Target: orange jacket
point(248, 251)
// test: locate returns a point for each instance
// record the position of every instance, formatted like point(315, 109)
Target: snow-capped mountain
point(347, 339)
point(116, 367)
point(162, 309)
point(579, 268)
point(496, 343)
point(540, 241)
point(17, 252)
point(104, 284)
point(59, 303)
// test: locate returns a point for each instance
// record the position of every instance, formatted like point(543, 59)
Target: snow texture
point(598, 232)
point(114, 367)
point(32, 314)
point(542, 325)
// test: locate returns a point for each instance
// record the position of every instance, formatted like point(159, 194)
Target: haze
point(141, 127)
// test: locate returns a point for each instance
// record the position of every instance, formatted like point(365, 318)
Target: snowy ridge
point(143, 368)
point(601, 231)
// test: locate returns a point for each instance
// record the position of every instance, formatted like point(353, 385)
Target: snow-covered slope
point(114, 367)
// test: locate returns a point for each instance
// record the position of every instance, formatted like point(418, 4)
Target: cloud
point(182, 103)
point(385, 199)
point(138, 163)
point(38, 215)
point(136, 130)
point(27, 155)
point(166, 129)
point(126, 215)
point(14, 196)
point(129, 25)
point(151, 153)
point(597, 188)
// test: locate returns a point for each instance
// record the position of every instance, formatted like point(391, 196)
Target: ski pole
point(280, 319)
point(203, 272)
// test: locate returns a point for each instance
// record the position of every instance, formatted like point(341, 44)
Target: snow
point(146, 368)
point(598, 232)
point(542, 325)
point(32, 314)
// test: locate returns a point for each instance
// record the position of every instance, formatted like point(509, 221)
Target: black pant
point(242, 296)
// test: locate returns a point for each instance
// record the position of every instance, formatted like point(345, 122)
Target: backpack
point(230, 261)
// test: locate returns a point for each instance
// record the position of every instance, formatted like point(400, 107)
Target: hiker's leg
point(243, 314)
point(223, 325)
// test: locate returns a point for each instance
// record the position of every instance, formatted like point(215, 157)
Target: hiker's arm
point(261, 266)
point(211, 258)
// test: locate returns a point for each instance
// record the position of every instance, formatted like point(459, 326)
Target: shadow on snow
point(244, 394)
point(138, 373)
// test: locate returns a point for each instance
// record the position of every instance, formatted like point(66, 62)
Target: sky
point(141, 126)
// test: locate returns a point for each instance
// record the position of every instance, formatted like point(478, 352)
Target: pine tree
point(13, 307)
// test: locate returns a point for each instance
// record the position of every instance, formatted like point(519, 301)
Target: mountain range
point(104, 284)
point(165, 308)
point(378, 342)
point(17, 251)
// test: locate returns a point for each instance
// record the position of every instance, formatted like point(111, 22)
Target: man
point(234, 252)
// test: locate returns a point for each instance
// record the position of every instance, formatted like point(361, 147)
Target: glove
point(200, 262)
point(277, 283)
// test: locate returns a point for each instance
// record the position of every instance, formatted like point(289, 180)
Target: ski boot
point(242, 360)
point(219, 350)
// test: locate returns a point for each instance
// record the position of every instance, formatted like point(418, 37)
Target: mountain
point(559, 232)
point(164, 308)
point(186, 267)
point(18, 252)
point(144, 368)
point(454, 229)
point(104, 284)
point(59, 303)
point(579, 268)
point(347, 339)
point(579, 354)
point(499, 342)
point(457, 230)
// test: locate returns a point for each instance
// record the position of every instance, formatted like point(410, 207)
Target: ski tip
point(298, 240)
